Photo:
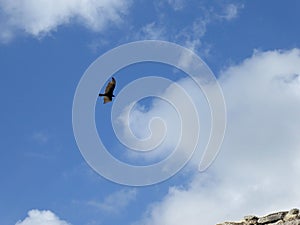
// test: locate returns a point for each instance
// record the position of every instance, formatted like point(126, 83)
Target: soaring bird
point(109, 91)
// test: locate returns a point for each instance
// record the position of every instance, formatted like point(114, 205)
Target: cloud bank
point(257, 169)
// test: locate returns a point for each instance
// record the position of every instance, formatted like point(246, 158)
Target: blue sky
point(252, 47)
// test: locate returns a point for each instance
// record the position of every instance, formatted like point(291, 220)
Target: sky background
point(252, 47)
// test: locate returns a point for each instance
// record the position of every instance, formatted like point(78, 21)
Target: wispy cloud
point(189, 34)
point(152, 31)
point(40, 137)
point(115, 202)
point(230, 11)
point(176, 4)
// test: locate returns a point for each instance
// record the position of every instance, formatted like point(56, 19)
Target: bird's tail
point(101, 94)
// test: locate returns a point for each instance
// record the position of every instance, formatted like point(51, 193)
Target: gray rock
point(293, 222)
point(289, 217)
point(232, 223)
point(292, 215)
point(271, 218)
point(279, 222)
point(251, 220)
point(250, 217)
point(293, 211)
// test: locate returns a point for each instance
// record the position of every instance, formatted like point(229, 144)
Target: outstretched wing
point(110, 87)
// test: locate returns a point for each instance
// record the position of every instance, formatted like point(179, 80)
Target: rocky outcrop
point(291, 217)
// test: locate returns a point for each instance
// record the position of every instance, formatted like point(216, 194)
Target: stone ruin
point(291, 217)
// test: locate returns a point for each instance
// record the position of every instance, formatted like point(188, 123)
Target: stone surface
point(271, 218)
point(250, 220)
point(250, 217)
point(293, 222)
point(294, 211)
point(293, 214)
point(279, 222)
point(232, 223)
point(291, 217)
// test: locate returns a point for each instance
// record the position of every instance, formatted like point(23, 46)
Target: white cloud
point(115, 202)
point(172, 115)
point(176, 4)
point(38, 18)
point(257, 169)
point(44, 217)
point(190, 34)
point(40, 137)
point(151, 31)
point(231, 11)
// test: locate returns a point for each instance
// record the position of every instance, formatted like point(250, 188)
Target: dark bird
point(109, 91)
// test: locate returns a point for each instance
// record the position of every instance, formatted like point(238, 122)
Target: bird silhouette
point(109, 91)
